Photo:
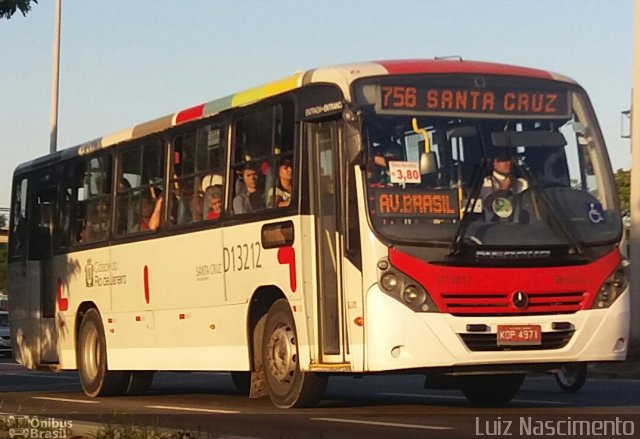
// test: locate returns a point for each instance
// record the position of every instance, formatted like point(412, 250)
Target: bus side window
point(77, 199)
point(18, 219)
point(197, 166)
point(263, 147)
point(139, 197)
point(94, 200)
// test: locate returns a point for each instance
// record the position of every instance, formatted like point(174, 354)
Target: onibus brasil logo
point(34, 427)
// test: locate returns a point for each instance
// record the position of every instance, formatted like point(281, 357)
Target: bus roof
point(341, 75)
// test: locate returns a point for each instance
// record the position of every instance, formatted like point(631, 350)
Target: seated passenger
point(500, 185)
point(249, 198)
point(378, 168)
point(214, 199)
point(150, 211)
point(502, 177)
point(280, 195)
point(197, 207)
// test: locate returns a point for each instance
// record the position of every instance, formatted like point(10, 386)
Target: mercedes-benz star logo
point(520, 299)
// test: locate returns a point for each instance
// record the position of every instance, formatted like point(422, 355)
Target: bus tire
point(139, 382)
point(572, 377)
point(286, 384)
point(95, 377)
point(490, 390)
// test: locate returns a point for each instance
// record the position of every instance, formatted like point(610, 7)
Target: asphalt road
point(372, 407)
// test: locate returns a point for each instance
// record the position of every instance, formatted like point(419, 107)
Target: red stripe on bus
point(287, 255)
point(190, 114)
point(146, 284)
point(454, 66)
point(63, 302)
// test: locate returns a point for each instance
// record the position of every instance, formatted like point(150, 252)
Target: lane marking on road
point(35, 375)
point(517, 401)
point(414, 395)
point(384, 424)
point(191, 409)
point(53, 386)
point(80, 401)
point(533, 401)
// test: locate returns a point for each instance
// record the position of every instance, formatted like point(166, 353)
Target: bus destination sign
point(434, 203)
point(503, 101)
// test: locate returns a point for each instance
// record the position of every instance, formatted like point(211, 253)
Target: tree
point(623, 183)
point(9, 7)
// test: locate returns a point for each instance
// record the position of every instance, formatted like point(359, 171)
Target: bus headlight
point(389, 282)
point(613, 287)
point(411, 294)
point(404, 289)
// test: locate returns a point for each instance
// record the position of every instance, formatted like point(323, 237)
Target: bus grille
point(497, 304)
point(489, 342)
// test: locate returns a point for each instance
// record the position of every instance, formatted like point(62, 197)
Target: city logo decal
point(103, 274)
point(88, 270)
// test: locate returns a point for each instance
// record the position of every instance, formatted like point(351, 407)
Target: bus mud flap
point(258, 388)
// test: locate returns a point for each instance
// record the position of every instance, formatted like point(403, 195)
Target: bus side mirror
point(428, 163)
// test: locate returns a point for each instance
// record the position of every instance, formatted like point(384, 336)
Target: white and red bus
point(365, 226)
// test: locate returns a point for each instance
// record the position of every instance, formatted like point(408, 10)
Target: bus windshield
point(489, 161)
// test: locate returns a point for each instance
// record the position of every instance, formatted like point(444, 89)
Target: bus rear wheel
point(96, 379)
point(286, 384)
point(139, 382)
point(490, 390)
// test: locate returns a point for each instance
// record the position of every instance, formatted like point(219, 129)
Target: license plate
point(518, 335)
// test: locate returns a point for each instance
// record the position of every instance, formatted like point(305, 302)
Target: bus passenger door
point(323, 142)
point(40, 284)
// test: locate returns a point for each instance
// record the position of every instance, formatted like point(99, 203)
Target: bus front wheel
point(572, 377)
point(490, 389)
point(286, 384)
point(95, 377)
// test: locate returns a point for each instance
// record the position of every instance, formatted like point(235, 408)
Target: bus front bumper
point(398, 338)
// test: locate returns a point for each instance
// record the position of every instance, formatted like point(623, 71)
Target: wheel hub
point(91, 355)
point(283, 353)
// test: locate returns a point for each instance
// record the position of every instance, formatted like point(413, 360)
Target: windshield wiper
point(526, 172)
point(476, 187)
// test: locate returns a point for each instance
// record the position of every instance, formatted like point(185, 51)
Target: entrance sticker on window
point(595, 213)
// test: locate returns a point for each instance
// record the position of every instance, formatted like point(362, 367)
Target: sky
point(124, 62)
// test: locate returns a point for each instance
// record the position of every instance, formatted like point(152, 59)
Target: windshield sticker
point(502, 207)
point(595, 213)
point(404, 172)
point(434, 203)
